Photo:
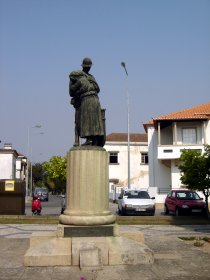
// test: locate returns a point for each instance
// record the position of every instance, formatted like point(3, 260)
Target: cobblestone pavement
point(174, 259)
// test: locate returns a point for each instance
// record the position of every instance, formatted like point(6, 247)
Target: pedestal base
point(87, 194)
point(87, 220)
point(47, 249)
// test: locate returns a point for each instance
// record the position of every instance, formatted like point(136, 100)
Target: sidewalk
point(174, 259)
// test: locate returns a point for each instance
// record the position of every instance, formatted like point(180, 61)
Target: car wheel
point(166, 211)
point(204, 213)
point(123, 212)
point(177, 212)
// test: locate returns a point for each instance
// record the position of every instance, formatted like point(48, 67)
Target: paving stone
point(34, 273)
point(174, 259)
point(11, 273)
point(72, 273)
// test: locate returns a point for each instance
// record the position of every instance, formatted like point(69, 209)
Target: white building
point(168, 135)
point(12, 164)
point(117, 147)
point(21, 166)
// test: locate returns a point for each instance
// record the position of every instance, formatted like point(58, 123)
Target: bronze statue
point(89, 117)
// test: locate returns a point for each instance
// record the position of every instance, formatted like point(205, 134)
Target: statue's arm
point(97, 88)
point(74, 87)
point(94, 83)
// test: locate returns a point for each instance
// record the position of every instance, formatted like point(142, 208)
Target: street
point(53, 207)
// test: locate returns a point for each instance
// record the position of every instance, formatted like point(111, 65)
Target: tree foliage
point(56, 172)
point(195, 171)
point(38, 174)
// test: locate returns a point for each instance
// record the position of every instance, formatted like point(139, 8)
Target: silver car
point(136, 202)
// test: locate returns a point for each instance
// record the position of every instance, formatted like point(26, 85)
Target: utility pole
point(128, 121)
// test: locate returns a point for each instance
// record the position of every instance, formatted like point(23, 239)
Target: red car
point(184, 202)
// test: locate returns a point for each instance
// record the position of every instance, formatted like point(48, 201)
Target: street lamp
point(28, 147)
point(31, 177)
point(128, 122)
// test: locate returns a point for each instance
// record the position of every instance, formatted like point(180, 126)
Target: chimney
point(8, 146)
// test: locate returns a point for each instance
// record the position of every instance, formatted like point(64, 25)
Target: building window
point(189, 136)
point(168, 151)
point(144, 158)
point(113, 157)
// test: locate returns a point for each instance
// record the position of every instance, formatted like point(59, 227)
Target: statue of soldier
point(89, 117)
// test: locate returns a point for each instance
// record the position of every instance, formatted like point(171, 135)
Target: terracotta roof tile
point(123, 137)
point(201, 112)
point(198, 112)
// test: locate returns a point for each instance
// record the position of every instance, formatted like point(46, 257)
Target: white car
point(136, 202)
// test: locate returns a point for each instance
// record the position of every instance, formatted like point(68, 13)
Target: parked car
point(136, 202)
point(184, 202)
point(41, 193)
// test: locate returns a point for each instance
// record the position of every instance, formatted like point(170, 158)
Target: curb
point(125, 220)
point(162, 220)
point(21, 219)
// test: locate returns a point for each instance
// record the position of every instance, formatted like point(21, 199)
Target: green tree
point(195, 171)
point(38, 174)
point(56, 172)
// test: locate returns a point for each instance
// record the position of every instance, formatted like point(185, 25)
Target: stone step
point(49, 252)
point(87, 252)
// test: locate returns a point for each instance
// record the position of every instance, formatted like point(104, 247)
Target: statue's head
point(87, 62)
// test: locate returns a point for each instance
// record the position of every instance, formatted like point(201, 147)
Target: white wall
point(175, 175)
point(138, 172)
point(152, 152)
point(159, 174)
point(7, 166)
point(208, 132)
point(163, 178)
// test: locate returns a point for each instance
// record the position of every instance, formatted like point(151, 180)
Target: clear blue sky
point(165, 45)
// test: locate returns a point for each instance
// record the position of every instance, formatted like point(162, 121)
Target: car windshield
point(44, 191)
point(40, 191)
point(137, 194)
point(37, 190)
point(187, 195)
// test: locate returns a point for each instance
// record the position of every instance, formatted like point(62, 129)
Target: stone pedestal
point(87, 194)
point(87, 236)
point(53, 249)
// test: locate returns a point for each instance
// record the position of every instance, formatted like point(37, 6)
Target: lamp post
point(128, 121)
point(28, 147)
point(31, 176)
